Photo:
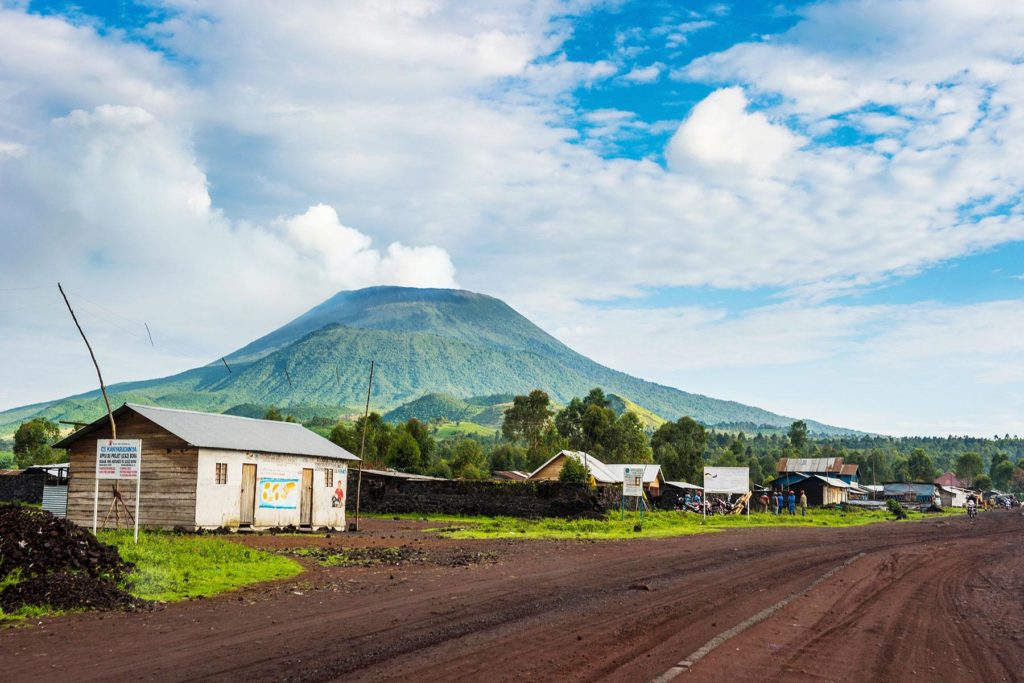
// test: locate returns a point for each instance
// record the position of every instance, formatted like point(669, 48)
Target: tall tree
point(468, 461)
point(798, 435)
point(528, 419)
point(920, 466)
point(681, 444)
point(421, 433)
point(404, 453)
point(33, 441)
point(968, 467)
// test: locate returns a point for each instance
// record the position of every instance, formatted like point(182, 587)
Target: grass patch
point(450, 430)
point(174, 567)
point(656, 524)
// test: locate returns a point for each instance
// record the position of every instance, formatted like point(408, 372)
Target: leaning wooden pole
point(103, 387)
point(362, 446)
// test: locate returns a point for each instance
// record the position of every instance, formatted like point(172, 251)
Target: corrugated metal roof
point(229, 432)
point(813, 465)
point(684, 485)
point(918, 489)
point(832, 481)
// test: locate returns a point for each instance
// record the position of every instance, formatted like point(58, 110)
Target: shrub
point(895, 508)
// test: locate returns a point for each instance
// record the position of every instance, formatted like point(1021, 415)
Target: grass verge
point(656, 524)
point(174, 567)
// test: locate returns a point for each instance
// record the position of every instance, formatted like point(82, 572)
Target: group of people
point(778, 500)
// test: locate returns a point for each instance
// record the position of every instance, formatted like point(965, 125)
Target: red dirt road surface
point(939, 599)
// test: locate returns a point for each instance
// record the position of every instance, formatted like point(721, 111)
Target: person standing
point(778, 502)
point(792, 502)
point(763, 500)
point(803, 503)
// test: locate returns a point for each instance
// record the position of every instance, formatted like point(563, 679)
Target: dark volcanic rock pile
point(57, 564)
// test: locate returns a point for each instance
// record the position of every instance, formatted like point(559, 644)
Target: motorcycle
point(972, 511)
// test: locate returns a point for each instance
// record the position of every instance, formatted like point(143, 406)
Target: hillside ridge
point(424, 341)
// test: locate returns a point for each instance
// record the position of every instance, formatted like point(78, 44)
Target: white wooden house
point(204, 470)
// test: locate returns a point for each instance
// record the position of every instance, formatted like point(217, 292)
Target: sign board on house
point(726, 479)
point(118, 458)
point(278, 490)
point(633, 481)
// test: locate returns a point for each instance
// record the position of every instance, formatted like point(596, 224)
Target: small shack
point(910, 493)
point(820, 489)
point(204, 470)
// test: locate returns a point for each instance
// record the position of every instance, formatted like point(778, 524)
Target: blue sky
point(812, 207)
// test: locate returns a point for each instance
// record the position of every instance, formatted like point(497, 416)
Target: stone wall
point(489, 498)
point(26, 487)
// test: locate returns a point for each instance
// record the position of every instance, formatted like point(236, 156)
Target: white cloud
point(720, 132)
point(643, 74)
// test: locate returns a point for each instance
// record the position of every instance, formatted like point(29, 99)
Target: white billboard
point(726, 479)
point(633, 481)
point(118, 458)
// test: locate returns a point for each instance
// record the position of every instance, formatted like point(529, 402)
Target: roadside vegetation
point(653, 524)
point(172, 567)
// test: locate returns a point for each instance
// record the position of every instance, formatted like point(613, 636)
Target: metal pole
point(138, 494)
point(96, 497)
point(362, 446)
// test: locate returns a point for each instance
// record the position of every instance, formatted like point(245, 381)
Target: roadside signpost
point(728, 480)
point(632, 485)
point(118, 459)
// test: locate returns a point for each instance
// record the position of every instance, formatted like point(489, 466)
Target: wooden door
point(306, 503)
point(247, 514)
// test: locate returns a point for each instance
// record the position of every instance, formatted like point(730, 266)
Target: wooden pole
point(103, 387)
point(362, 446)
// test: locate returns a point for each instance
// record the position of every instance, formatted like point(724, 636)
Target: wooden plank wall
point(168, 477)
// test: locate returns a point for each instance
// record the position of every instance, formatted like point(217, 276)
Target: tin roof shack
point(601, 472)
point(202, 470)
point(827, 467)
point(910, 494)
point(821, 490)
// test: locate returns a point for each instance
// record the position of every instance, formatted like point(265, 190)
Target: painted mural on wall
point(338, 498)
point(278, 492)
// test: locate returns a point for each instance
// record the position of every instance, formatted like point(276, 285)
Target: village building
point(203, 470)
point(950, 480)
point(919, 492)
point(826, 481)
point(600, 472)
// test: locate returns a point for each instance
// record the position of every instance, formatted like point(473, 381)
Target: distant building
point(509, 475)
point(820, 489)
point(910, 492)
point(203, 470)
point(949, 479)
point(602, 473)
point(826, 467)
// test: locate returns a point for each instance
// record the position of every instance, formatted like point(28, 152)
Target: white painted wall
point(220, 504)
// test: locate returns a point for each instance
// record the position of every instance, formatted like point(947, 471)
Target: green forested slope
point(425, 341)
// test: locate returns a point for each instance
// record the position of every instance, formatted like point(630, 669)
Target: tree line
point(533, 431)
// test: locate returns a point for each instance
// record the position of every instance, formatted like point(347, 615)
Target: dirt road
point(917, 599)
